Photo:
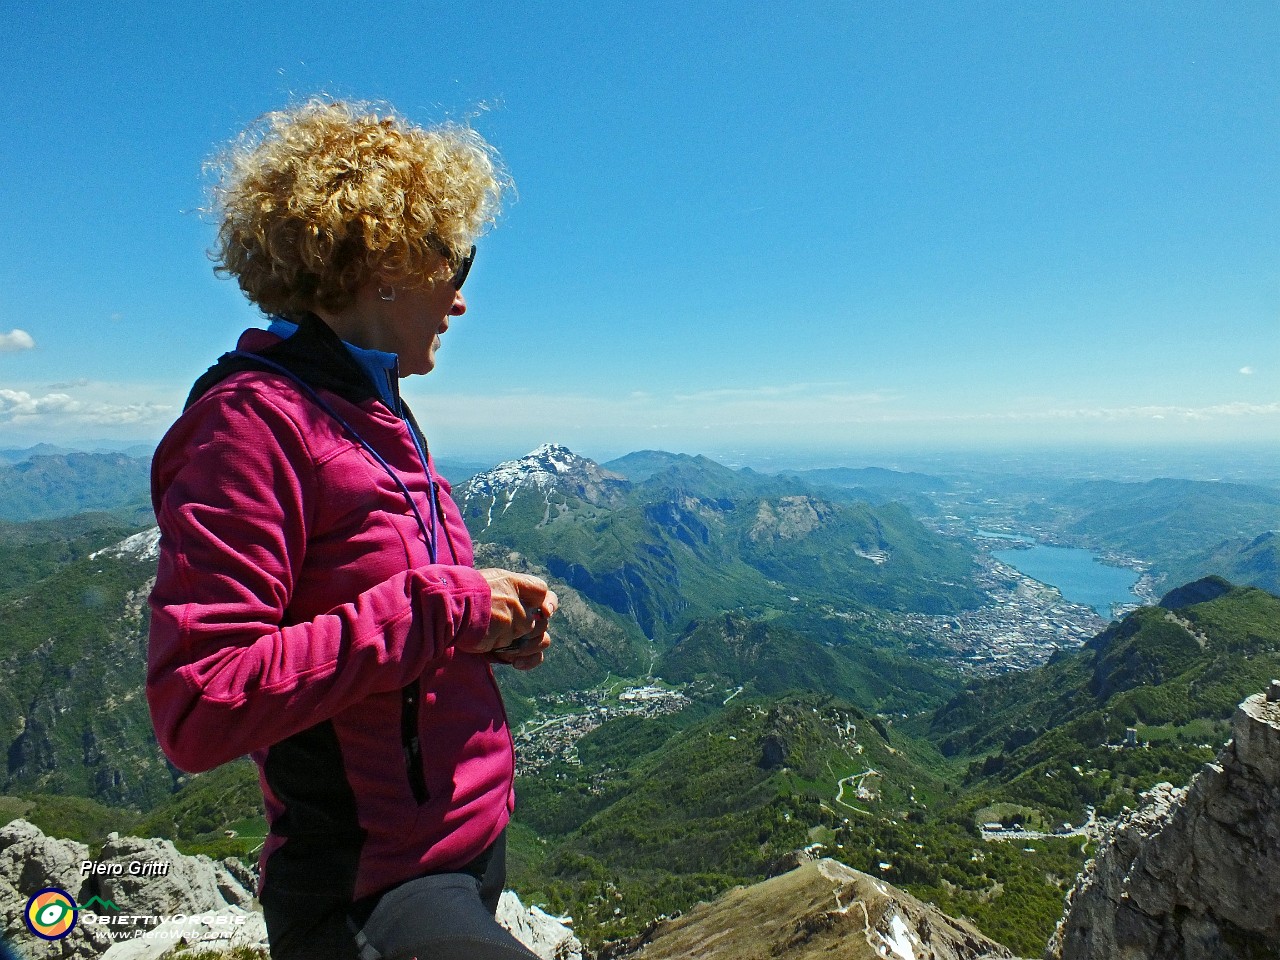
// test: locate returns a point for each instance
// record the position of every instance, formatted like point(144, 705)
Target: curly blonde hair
point(316, 200)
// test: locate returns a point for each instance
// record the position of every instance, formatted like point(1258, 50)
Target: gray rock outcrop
point(1192, 874)
point(542, 933)
point(132, 878)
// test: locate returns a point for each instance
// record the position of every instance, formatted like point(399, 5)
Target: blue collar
point(380, 367)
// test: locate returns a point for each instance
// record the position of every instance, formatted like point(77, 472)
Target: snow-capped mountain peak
point(552, 468)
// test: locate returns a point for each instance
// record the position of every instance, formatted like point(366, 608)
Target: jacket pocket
point(411, 741)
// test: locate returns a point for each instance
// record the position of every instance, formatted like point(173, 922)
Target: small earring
point(387, 293)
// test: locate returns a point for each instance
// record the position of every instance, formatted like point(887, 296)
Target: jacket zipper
point(410, 704)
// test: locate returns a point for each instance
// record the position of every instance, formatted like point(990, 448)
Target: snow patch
point(902, 941)
point(143, 546)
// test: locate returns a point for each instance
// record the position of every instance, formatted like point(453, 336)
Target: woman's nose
point(459, 306)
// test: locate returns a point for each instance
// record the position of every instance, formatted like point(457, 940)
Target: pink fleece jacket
point(297, 617)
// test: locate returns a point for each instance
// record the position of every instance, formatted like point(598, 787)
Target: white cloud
point(19, 403)
point(16, 340)
point(60, 409)
point(1247, 371)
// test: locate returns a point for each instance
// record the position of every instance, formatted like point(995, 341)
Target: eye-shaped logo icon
point(51, 913)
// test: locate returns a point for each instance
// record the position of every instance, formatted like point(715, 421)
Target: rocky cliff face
point(1192, 874)
point(821, 909)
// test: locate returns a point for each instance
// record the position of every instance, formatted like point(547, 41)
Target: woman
point(316, 604)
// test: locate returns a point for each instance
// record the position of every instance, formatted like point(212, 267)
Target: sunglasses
point(460, 275)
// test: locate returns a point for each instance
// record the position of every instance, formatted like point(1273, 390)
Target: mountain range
point(73, 646)
point(694, 538)
point(653, 813)
point(1166, 515)
point(1246, 560)
point(61, 484)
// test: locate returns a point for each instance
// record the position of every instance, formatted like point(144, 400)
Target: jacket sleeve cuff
point(474, 622)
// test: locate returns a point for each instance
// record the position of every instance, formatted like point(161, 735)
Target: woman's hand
point(520, 610)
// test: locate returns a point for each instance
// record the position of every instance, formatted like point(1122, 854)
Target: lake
point(1078, 574)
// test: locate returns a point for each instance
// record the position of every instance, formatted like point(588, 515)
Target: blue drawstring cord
point(428, 538)
point(431, 485)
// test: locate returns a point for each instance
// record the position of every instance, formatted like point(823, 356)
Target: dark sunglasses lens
point(460, 275)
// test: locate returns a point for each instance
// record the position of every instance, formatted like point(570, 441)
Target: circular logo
point(51, 913)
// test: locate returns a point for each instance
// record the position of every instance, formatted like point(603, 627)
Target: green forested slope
point(1255, 562)
point(590, 643)
point(71, 653)
point(792, 653)
point(33, 550)
point(1173, 674)
point(662, 813)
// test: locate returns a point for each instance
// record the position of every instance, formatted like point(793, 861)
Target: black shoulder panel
point(314, 354)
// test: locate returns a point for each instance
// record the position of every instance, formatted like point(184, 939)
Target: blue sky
point(739, 226)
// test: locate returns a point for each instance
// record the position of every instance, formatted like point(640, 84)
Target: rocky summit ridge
point(199, 889)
